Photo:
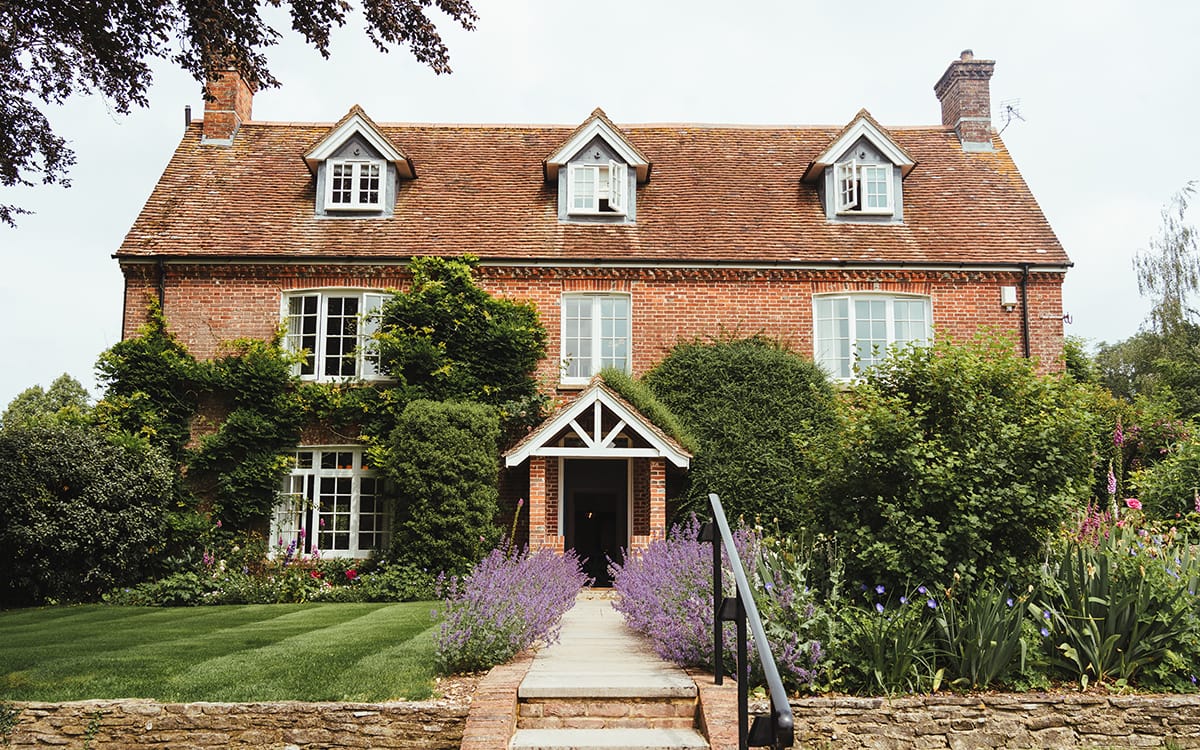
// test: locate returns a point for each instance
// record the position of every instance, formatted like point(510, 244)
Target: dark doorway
point(596, 513)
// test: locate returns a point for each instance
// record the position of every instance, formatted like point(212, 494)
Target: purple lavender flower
point(878, 607)
point(879, 589)
point(1045, 633)
point(932, 604)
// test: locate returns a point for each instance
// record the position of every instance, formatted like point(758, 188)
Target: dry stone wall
point(978, 722)
point(432, 725)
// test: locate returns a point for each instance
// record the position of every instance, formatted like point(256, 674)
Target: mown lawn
point(260, 652)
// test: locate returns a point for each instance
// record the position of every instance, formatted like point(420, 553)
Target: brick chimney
point(967, 101)
point(226, 107)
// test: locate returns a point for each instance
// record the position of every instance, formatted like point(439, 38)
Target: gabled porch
point(597, 479)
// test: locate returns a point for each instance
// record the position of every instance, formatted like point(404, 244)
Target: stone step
point(599, 713)
point(658, 683)
point(608, 739)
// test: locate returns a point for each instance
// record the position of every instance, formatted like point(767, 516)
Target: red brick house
point(837, 240)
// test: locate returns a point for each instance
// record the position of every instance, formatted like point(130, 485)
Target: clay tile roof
point(720, 194)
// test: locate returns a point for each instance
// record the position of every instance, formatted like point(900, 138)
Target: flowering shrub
point(234, 570)
point(1123, 608)
point(508, 601)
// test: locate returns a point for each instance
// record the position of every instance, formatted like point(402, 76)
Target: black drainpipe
point(1025, 307)
point(162, 285)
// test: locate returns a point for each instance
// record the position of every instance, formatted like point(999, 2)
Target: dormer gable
point(860, 174)
point(597, 171)
point(357, 168)
point(597, 124)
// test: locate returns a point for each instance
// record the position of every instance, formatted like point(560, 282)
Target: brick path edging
point(493, 716)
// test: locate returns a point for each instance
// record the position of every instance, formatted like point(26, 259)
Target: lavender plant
point(508, 601)
point(666, 594)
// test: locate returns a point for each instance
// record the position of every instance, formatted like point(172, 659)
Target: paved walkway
point(598, 656)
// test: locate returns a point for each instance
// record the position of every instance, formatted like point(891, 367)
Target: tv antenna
point(1010, 109)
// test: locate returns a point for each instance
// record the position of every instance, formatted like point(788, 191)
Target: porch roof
point(597, 441)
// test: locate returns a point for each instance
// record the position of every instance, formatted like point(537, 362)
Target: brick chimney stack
point(226, 107)
point(967, 100)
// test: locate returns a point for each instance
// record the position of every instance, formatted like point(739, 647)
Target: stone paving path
point(607, 676)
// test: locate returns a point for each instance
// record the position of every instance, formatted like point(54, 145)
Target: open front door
point(596, 513)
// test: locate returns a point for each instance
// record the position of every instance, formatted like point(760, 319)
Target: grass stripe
point(234, 653)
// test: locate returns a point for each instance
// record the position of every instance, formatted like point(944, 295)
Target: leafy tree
point(446, 338)
point(442, 460)
point(954, 460)
point(741, 401)
point(79, 514)
point(1164, 366)
point(1078, 363)
point(51, 50)
point(1169, 269)
point(65, 400)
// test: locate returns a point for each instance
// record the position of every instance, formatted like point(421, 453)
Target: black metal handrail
point(775, 731)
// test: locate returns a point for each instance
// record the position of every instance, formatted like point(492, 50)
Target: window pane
point(577, 335)
point(584, 188)
point(341, 336)
point(875, 186)
point(342, 178)
point(870, 326)
point(368, 184)
point(911, 321)
point(833, 336)
point(614, 332)
point(302, 330)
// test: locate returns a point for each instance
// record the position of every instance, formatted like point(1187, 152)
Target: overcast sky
point(1108, 92)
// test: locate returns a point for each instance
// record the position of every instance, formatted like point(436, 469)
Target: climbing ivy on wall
point(231, 423)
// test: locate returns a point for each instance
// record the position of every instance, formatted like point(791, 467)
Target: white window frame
point(594, 361)
point(305, 501)
point(607, 183)
point(842, 357)
point(849, 188)
point(359, 177)
point(316, 337)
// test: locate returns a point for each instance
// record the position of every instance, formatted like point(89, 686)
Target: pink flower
point(521, 503)
point(218, 523)
point(1118, 435)
point(1133, 502)
point(315, 573)
point(352, 574)
point(1112, 481)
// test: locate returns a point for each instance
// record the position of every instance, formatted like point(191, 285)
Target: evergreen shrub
point(742, 400)
point(441, 459)
point(79, 513)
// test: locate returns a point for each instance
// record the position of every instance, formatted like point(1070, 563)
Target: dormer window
point(597, 188)
point(354, 185)
point(864, 188)
point(358, 170)
point(860, 175)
